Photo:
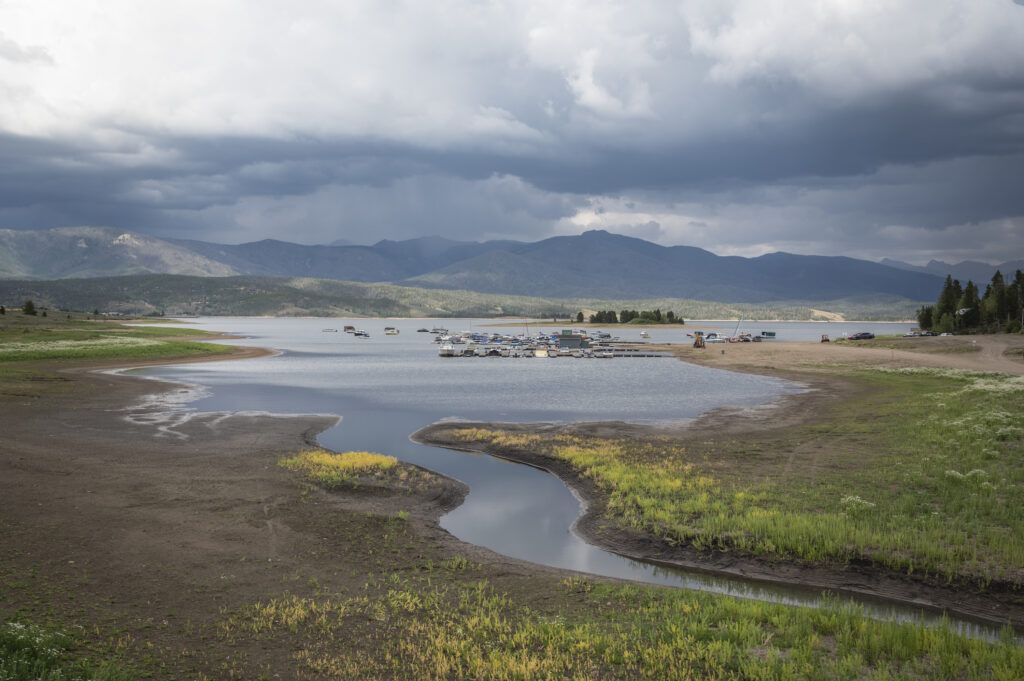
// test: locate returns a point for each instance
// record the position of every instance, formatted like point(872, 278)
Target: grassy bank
point(66, 337)
point(925, 474)
point(421, 627)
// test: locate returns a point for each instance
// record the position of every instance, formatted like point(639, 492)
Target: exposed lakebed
point(385, 388)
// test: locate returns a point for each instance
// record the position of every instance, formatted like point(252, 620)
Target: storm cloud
point(744, 126)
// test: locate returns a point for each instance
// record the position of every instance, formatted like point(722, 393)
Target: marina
point(572, 343)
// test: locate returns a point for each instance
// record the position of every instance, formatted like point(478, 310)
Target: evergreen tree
point(925, 316)
point(29, 308)
point(969, 307)
point(579, 317)
point(947, 299)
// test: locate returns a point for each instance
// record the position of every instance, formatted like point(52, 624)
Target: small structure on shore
point(567, 340)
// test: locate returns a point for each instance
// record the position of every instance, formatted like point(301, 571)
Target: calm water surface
point(387, 387)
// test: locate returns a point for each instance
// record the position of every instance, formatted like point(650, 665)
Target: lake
point(384, 388)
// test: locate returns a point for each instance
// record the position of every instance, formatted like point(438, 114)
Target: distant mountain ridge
point(980, 273)
point(592, 264)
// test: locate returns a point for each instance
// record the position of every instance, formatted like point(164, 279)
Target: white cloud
point(852, 49)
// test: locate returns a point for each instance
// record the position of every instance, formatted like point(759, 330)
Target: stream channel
point(387, 387)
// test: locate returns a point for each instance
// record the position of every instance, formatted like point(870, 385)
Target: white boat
point(540, 352)
point(390, 331)
point(644, 334)
point(446, 350)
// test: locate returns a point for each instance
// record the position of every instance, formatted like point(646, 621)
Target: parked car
point(947, 333)
point(929, 333)
point(863, 335)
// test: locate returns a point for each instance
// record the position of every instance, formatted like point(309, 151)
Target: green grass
point(30, 653)
point(31, 339)
point(414, 629)
point(923, 475)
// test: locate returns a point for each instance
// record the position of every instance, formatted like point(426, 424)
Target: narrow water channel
point(387, 389)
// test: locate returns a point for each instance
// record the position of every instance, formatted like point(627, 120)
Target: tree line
point(962, 309)
point(626, 316)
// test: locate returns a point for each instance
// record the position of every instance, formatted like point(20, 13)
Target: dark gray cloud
point(738, 126)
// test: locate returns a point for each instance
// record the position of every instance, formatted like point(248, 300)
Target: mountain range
point(594, 264)
point(980, 273)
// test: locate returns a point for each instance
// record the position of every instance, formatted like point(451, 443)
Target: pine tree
point(969, 307)
point(947, 299)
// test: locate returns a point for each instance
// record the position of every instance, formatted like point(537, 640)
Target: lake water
point(387, 387)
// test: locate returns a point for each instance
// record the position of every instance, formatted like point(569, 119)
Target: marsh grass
point(408, 629)
point(924, 475)
point(333, 471)
point(31, 653)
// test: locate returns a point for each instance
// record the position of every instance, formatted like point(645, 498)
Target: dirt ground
point(973, 353)
point(147, 534)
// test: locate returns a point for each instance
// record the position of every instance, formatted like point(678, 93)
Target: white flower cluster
point(853, 502)
point(51, 346)
point(976, 474)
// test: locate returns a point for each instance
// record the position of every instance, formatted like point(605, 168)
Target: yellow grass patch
point(333, 470)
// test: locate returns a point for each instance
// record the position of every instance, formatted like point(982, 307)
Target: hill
point(594, 264)
point(177, 295)
point(980, 273)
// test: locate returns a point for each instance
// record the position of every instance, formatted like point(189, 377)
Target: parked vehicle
point(863, 335)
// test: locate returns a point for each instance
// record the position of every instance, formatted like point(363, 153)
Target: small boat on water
point(330, 331)
point(644, 334)
point(390, 331)
point(446, 350)
point(359, 333)
point(422, 330)
point(349, 329)
point(540, 352)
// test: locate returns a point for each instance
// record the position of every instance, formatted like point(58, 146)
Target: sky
point(867, 128)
